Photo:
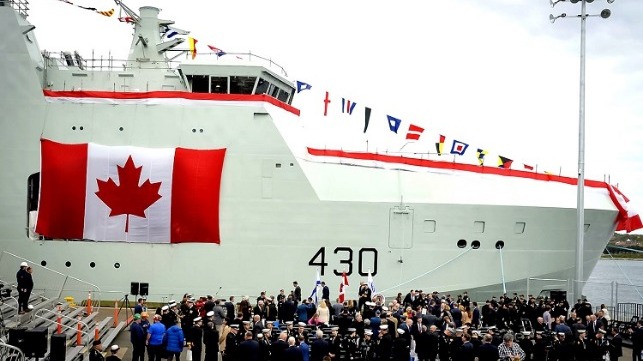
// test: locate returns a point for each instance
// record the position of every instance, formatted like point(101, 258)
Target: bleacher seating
point(45, 313)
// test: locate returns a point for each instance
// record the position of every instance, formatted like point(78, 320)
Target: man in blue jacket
point(155, 339)
point(175, 341)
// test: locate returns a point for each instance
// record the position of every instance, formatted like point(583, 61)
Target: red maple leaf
point(128, 198)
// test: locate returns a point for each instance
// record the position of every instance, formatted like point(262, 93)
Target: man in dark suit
point(487, 352)
point(637, 341)
point(279, 346)
point(409, 299)
point(248, 349)
point(616, 345)
point(325, 291)
point(288, 309)
point(296, 292)
point(475, 319)
point(416, 329)
point(229, 306)
point(319, 347)
point(292, 353)
point(466, 352)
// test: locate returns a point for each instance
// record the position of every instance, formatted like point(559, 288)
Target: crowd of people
point(420, 326)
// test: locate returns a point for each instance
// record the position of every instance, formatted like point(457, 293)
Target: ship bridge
point(236, 79)
point(149, 66)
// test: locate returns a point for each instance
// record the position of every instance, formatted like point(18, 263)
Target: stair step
point(102, 330)
point(107, 341)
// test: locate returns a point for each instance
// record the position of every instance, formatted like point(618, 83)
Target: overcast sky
point(495, 73)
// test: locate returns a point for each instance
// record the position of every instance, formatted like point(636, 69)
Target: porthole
point(68, 264)
point(43, 263)
point(121, 128)
point(500, 245)
point(73, 128)
point(462, 243)
point(117, 265)
point(475, 244)
point(81, 127)
point(92, 264)
point(193, 130)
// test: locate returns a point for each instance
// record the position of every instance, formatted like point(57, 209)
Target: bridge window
point(199, 83)
point(274, 91)
point(219, 84)
point(262, 86)
point(283, 95)
point(242, 84)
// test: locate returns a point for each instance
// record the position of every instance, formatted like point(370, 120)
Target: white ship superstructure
point(288, 206)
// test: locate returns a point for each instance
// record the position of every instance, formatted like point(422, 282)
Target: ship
point(159, 177)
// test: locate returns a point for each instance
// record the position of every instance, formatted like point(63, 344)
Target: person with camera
point(510, 351)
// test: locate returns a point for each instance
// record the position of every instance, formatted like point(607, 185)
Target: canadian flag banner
point(126, 193)
point(628, 219)
point(342, 287)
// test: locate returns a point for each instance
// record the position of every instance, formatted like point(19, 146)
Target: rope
point(625, 274)
point(624, 248)
point(428, 272)
point(502, 272)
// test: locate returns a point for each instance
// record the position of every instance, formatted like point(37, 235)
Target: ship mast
point(148, 46)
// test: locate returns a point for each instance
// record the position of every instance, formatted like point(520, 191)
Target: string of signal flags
point(107, 13)
point(331, 106)
point(170, 31)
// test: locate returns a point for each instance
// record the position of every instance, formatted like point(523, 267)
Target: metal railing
point(10, 353)
point(625, 312)
point(92, 288)
point(21, 6)
point(109, 63)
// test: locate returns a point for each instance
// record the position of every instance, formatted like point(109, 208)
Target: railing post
point(59, 320)
point(89, 303)
point(115, 313)
point(79, 334)
point(616, 301)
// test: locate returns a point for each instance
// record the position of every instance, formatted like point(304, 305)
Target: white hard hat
point(24, 264)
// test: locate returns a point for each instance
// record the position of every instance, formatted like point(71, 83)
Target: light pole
point(580, 196)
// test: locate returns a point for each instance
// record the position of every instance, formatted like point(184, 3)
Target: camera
point(4, 292)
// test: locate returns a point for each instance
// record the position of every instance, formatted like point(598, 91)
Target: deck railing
point(109, 63)
point(21, 6)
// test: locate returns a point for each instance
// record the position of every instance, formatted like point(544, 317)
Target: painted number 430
point(345, 254)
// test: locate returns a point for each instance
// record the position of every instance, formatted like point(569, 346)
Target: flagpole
point(577, 287)
point(580, 195)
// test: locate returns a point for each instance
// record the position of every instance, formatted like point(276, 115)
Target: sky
point(493, 72)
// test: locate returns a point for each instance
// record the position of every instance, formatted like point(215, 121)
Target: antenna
point(131, 12)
